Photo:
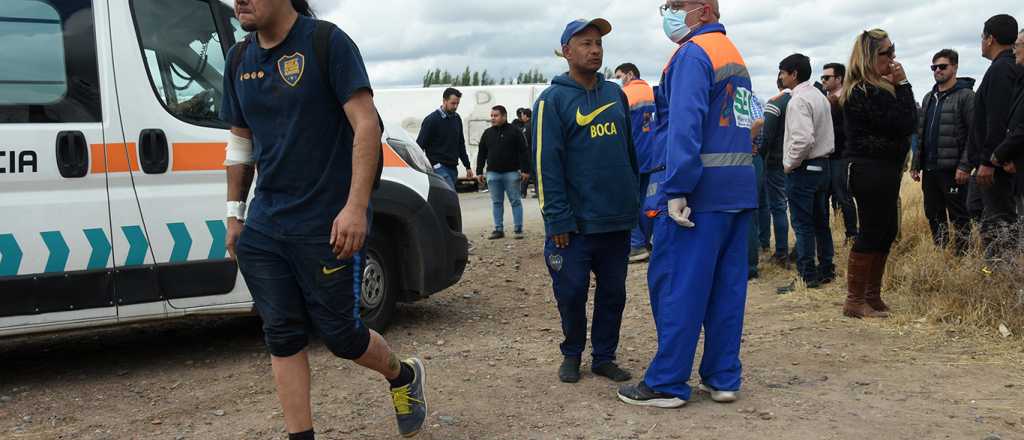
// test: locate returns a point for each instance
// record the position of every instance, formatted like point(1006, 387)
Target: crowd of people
point(695, 175)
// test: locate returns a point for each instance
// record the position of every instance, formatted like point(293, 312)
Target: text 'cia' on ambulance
point(112, 184)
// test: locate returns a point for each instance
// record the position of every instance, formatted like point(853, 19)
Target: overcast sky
point(401, 39)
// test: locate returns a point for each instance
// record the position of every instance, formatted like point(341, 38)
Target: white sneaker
point(720, 396)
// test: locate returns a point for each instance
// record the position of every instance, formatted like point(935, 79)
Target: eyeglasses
point(891, 52)
point(826, 78)
point(938, 67)
point(675, 6)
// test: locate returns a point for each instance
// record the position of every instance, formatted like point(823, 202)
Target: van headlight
point(411, 153)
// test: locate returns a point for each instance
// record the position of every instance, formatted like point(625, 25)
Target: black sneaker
point(569, 372)
point(496, 235)
point(612, 371)
point(519, 235)
point(814, 283)
point(641, 395)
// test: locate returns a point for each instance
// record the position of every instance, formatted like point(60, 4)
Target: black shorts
point(298, 287)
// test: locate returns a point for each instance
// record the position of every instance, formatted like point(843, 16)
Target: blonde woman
point(880, 114)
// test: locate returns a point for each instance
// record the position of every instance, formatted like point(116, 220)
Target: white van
point(112, 187)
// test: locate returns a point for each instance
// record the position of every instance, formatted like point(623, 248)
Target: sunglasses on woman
point(890, 52)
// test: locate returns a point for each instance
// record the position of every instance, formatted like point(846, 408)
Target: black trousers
point(945, 202)
point(841, 198)
point(875, 185)
point(999, 220)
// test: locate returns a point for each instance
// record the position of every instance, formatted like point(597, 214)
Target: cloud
point(402, 39)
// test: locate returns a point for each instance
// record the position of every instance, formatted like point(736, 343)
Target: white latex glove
point(678, 211)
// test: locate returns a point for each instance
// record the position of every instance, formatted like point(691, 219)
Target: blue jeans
point(500, 185)
point(808, 189)
point(778, 204)
point(449, 174)
point(756, 239)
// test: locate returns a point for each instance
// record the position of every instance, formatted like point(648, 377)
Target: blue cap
point(576, 26)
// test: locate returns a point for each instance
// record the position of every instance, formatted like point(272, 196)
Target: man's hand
point(680, 212)
point(916, 175)
point(481, 180)
point(348, 234)
point(525, 177)
point(235, 227)
point(1010, 167)
point(561, 240)
point(469, 173)
point(986, 176)
point(962, 177)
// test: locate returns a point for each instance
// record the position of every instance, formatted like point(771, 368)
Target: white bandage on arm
point(239, 151)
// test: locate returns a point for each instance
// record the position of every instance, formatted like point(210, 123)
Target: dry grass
point(931, 283)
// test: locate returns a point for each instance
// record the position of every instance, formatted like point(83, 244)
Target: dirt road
point(490, 344)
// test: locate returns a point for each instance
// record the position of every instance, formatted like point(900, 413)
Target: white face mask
point(617, 81)
point(675, 25)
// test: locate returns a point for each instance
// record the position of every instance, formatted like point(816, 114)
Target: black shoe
point(827, 278)
point(569, 372)
point(612, 371)
point(786, 290)
point(641, 395)
point(753, 275)
point(496, 235)
point(781, 260)
point(814, 283)
point(519, 235)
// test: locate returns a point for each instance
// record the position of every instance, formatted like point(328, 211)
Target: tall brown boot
point(873, 292)
point(858, 273)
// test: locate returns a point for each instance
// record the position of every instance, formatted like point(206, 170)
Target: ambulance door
point(59, 136)
point(170, 80)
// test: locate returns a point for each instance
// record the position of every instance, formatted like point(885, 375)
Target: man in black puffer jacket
point(941, 162)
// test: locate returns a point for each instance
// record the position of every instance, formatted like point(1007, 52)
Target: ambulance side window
point(184, 57)
point(50, 72)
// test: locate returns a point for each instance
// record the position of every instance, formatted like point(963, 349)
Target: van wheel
point(380, 287)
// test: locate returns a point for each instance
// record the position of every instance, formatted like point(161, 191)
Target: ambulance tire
point(379, 296)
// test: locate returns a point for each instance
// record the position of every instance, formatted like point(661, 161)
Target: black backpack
point(322, 52)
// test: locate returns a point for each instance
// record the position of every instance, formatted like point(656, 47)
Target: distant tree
point(476, 78)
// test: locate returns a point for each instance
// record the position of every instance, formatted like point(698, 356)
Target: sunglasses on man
point(938, 67)
point(827, 78)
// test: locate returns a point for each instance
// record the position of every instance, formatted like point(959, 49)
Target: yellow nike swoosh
point(334, 271)
point(584, 121)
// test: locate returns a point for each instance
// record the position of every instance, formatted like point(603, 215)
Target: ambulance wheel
point(379, 295)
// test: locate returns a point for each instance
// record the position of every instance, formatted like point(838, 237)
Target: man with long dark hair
point(301, 251)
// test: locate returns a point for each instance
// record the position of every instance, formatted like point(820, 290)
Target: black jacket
point(838, 126)
point(878, 124)
point(775, 130)
point(947, 136)
point(525, 128)
point(991, 107)
point(503, 149)
point(441, 138)
point(1012, 147)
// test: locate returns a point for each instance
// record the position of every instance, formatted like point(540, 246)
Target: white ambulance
point(112, 187)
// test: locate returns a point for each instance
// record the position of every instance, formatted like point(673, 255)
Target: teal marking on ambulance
point(219, 233)
point(137, 245)
point(57, 262)
point(10, 256)
point(182, 242)
point(100, 249)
